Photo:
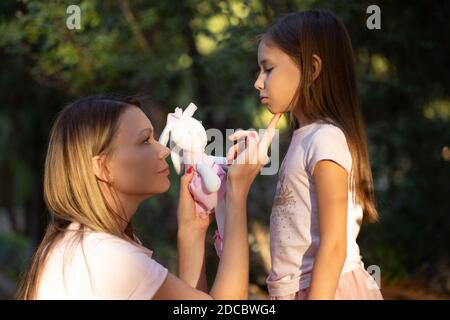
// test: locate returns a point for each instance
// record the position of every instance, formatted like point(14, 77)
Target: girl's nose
point(259, 83)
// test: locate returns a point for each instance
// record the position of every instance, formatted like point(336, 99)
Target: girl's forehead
point(268, 51)
point(263, 46)
point(264, 50)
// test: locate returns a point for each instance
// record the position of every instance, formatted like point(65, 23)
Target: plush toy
point(188, 141)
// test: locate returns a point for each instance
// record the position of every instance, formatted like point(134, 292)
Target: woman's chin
point(159, 186)
point(165, 185)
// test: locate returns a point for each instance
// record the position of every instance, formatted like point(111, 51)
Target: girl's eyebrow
point(264, 61)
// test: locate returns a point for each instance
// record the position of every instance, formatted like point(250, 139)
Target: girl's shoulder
point(325, 131)
point(326, 141)
point(319, 133)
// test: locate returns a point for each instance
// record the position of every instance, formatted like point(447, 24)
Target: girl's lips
point(264, 99)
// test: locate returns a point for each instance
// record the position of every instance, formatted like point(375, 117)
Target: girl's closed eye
point(265, 69)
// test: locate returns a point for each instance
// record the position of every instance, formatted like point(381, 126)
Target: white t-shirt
point(294, 226)
point(104, 267)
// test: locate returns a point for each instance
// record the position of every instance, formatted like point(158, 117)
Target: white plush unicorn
point(208, 186)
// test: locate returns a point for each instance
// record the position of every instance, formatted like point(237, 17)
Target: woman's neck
point(124, 205)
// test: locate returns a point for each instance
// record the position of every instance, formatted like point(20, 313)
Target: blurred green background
point(174, 52)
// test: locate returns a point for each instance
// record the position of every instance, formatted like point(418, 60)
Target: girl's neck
point(302, 121)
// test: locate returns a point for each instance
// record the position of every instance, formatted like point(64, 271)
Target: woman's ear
point(317, 66)
point(100, 169)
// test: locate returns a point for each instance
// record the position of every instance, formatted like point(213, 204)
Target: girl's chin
point(269, 108)
point(273, 110)
point(278, 109)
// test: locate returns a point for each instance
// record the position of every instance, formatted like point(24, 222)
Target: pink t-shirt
point(104, 267)
point(294, 227)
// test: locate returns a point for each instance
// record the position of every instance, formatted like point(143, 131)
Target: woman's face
point(138, 164)
point(278, 79)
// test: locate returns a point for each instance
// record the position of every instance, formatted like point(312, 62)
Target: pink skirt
point(357, 284)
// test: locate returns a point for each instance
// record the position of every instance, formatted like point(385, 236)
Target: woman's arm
point(191, 237)
point(191, 258)
point(331, 181)
point(231, 281)
point(232, 275)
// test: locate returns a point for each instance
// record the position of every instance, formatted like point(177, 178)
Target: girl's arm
point(331, 181)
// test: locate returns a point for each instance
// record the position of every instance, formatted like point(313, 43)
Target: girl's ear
point(317, 66)
point(100, 169)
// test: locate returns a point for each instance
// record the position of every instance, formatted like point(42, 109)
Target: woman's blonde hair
point(333, 95)
point(82, 130)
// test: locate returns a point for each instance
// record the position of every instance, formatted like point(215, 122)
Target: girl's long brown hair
point(333, 94)
point(82, 130)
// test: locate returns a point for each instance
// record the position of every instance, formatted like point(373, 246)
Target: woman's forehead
point(133, 121)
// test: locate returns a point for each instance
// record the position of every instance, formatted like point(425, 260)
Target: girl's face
point(138, 164)
point(278, 79)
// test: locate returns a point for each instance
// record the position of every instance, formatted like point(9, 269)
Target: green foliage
point(15, 251)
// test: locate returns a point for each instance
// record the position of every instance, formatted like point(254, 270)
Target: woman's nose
point(164, 152)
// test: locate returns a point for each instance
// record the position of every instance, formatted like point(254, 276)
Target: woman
point(102, 163)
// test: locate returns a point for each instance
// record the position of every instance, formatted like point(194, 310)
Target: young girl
point(325, 181)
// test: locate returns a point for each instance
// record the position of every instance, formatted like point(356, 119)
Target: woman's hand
point(188, 219)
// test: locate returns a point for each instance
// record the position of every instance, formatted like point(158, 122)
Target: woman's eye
point(147, 140)
point(269, 69)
